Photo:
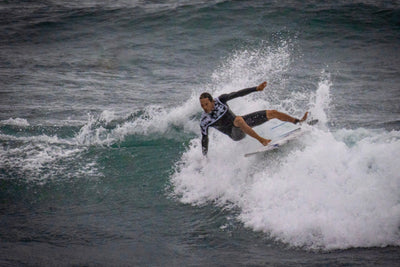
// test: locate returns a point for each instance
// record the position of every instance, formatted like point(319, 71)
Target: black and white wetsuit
point(221, 118)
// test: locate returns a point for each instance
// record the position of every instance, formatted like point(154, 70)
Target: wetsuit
point(221, 118)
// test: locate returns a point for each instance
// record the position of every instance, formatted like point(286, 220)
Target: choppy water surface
point(100, 159)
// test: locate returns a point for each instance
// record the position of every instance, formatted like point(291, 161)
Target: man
point(217, 114)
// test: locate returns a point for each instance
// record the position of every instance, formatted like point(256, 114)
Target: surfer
point(217, 114)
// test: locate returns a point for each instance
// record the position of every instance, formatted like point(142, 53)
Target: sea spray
point(320, 101)
point(329, 190)
point(329, 195)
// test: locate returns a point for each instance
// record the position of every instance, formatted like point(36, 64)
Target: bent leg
point(274, 114)
point(241, 123)
point(255, 118)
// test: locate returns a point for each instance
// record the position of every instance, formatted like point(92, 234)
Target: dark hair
point(206, 95)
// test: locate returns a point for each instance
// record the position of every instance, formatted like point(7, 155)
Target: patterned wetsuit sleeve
point(204, 144)
point(226, 97)
point(204, 133)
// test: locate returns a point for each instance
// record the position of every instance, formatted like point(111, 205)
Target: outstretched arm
point(226, 97)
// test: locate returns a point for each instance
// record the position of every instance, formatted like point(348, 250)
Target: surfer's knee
point(239, 121)
point(272, 113)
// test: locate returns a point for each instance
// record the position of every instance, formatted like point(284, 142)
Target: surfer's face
point(207, 105)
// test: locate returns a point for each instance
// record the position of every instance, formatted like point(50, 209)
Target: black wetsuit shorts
point(252, 119)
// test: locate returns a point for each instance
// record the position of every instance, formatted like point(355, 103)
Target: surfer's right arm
point(204, 144)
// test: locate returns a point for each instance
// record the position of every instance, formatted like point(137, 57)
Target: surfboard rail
point(277, 143)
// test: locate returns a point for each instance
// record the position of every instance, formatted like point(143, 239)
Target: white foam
point(327, 190)
point(15, 122)
point(154, 119)
point(330, 195)
point(36, 160)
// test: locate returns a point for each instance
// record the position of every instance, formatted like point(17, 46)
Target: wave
point(331, 189)
point(38, 152)
point(15, 122)
point(42, 153)
point(45, 152)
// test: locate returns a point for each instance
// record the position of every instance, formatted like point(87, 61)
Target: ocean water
point(100, 157)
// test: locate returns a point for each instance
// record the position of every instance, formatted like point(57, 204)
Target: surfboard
point(280, 132)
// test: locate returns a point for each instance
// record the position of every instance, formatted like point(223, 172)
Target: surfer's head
point(206, 102)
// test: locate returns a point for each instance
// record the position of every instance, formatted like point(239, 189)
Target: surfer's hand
point(261, 86)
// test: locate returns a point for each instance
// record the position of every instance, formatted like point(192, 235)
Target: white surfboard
point(280, 132)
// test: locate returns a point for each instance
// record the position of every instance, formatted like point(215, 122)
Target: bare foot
point(264, 141)
point(304, 117)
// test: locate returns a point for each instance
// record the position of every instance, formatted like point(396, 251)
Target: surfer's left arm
point(226, 97)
